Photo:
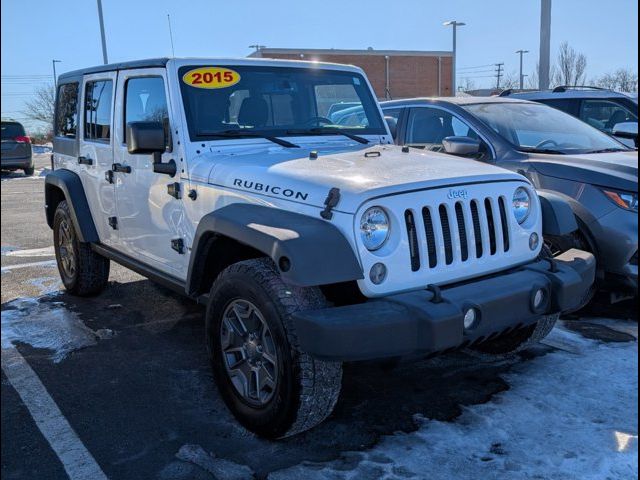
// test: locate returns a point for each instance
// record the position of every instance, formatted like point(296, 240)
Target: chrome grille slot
point(412, 236)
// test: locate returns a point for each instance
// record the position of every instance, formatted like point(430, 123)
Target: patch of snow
point(218, 467)
point(570, 414)
point(46, 325)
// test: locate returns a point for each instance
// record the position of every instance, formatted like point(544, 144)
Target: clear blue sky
point(36, 31)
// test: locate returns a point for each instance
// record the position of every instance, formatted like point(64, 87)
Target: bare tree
point(623, 80)
point(42, 106)
point(572, 66)
point(510, 80)
point(468, 84)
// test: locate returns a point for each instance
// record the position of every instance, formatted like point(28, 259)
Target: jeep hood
point(360, 174)
point(617, 170)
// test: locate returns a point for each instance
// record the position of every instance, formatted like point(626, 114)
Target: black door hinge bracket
point(174, 190)
point(178, 245)
point(113, 223)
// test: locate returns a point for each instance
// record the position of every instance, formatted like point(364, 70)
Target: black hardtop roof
point(110, 67)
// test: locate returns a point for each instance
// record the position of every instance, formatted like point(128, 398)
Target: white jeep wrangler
point(270, 191)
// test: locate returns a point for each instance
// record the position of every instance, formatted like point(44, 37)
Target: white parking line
point(74, 456)
point(44, 263)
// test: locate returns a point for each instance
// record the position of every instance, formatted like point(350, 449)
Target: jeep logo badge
point(453, 194)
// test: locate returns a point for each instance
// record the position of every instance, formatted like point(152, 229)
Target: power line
point(477, 66)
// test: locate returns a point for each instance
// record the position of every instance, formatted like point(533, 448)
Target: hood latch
point(331, 201)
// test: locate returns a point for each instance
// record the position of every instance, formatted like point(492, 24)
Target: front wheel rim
point(249, 353)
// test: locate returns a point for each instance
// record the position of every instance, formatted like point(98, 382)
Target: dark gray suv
point(16, 148)
point(595, 173)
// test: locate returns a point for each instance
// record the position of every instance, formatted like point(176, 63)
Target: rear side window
point(67, 110)
point(11, 130)
point(97, 110)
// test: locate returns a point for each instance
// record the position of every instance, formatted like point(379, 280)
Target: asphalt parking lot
point(128, 372)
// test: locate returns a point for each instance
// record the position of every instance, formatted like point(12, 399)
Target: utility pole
point(521, 52)
point(455, 24)
point(498, 74)
point(545, 44)
point(258, 47)
point(173, 52)
point(55, 77)
point(104, 41)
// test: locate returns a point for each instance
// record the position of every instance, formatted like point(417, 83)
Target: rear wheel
point(83, 271)
point(29, 171)
point(271, 387)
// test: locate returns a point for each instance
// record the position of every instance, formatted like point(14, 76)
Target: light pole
point(455, 24)
point(104, 41)
point(521, 52)
point(55, 77)
point(545, 44)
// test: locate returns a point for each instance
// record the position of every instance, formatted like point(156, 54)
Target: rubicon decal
point(271, 189)
point(211, 77)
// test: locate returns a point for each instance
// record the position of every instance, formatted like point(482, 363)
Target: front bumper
point(411, 323)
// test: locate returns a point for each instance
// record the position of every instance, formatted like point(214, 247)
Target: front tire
point(83, 271)
point(270, 386)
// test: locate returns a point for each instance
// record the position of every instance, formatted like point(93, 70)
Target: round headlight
point(521, 204)
point(374, 228)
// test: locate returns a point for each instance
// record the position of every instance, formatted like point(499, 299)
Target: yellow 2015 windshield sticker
point(211, 77)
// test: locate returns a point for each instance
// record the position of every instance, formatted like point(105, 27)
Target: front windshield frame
point(494, 115)
point(361, 88)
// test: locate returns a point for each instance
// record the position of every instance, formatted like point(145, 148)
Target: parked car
point(16, 148)
point(558, 153)
point(310, 243)
point(612, 112)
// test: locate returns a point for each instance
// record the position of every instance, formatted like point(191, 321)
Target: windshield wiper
point(541, 150)
point(612, 149)
point(242, 133)
point(328, 131)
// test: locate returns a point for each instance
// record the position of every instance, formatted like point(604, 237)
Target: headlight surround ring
point(374, 228)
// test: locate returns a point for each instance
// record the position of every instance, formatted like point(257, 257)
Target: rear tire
point(252, 340)
point(29, 171)
point(83, 271)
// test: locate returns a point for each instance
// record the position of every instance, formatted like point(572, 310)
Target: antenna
point(173, 52)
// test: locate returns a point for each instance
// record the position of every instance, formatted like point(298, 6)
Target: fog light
point(378, 273)
point(470, 318)
point(534, 240)
point(539, 298)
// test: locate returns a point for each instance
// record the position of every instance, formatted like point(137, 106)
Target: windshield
point(539, 128)
point(232, 101)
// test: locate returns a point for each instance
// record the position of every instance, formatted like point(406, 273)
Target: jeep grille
point(468, 229)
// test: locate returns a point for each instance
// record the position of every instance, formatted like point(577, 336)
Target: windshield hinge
point(331, 201)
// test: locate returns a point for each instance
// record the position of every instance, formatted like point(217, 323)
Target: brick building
point(393, 74)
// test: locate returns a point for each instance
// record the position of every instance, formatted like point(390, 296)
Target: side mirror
point(145, 137)
point(148, 137)
point(626, 129)
point(461, 146)
point(392, 123)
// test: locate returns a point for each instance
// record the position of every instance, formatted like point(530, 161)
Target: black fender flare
point(308, 251)
point(71, 186)
point(558, 218)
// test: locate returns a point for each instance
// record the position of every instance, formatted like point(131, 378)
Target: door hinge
point(173, 189)
point(113, 223)
point(108, 176)
point(178, 245)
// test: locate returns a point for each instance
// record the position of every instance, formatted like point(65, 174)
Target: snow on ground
point(570, 414)
point(48, 325)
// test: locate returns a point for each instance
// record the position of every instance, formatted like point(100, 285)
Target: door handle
point(85, 161)
point(118, 167)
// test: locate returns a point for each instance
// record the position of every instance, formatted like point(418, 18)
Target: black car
point(612, 112)
point(594, 172)
point(16, 148)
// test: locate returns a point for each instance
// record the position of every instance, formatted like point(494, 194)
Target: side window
point(605, 114)
point(392, 112)
point(146, 101)
point(67, 110)
point(428, 127)
point(97, 110)
point(567, 105)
